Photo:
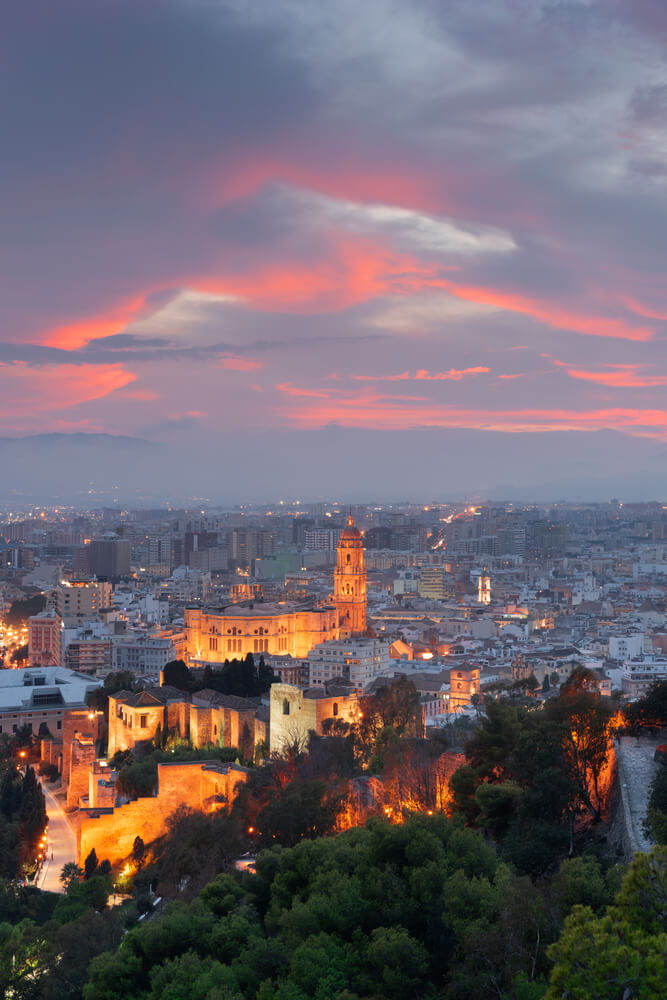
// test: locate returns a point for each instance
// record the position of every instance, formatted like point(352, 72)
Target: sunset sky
point(271, 217)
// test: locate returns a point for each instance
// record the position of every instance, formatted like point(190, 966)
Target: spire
point(350, 520)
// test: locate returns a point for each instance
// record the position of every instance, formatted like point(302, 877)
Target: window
point(285, 709)
point(215, 730)
point(59, 724)
point(335, 708)
point(143, 721)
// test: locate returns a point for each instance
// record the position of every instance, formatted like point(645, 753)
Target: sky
point(294, 247)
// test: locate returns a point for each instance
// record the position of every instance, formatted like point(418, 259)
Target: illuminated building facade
point(484, 587)
point(463, 684)
point(350, 581)
point(45, 639)
point(296, 713)
point(79, 600)
point(281, 629)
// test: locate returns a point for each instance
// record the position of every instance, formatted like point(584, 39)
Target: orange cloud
point(235, 364)
point(550, 314)
point(387, 184)
point(453, 375)
point(355, 271)
point(139, 394)
point(27, 390)
point(628, 379)
point(395, 413)
point(74, 335)
point(648, 312)
point(620, 376)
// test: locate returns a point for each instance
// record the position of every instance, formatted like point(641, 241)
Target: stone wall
point(636, 770)
point(82, 755)
point(51, 752)
point(201, 786)
point(77, 721)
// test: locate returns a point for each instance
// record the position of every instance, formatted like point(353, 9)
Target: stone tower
point(350, 582)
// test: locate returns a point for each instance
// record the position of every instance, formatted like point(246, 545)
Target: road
point(61, 842)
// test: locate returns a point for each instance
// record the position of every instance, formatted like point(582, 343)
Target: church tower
point(350, 581)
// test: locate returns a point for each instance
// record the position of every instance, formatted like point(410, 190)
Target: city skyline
point(267, 242)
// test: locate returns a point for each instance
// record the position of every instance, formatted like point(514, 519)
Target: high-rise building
point(79, 600)
point(45, 640)
point(350, 581)
point(109, 557)
point(431, 583)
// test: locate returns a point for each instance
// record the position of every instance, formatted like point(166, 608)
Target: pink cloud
point(453, 375)
point(235, 364)
point(395, 413)
point(27, 390)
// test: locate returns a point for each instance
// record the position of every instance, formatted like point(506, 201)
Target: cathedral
point(285, 628)
point(350, 582)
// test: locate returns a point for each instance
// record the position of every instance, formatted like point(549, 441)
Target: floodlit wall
point(198, 786)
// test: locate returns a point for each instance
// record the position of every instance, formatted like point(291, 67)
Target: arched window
point(285, 707)
point(347, 560)
point(335, 708)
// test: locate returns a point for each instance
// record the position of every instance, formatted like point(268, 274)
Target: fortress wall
point(192, 785)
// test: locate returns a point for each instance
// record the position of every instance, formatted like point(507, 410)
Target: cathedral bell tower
point(350, 582)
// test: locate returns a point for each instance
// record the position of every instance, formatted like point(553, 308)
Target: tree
point(420, 909)
point(581, 679)
point(584, 720)
point(21, 610)
point(176, 674)
point(90, 865)
point(546, 686)
point(19, 654)
point(70, 872)
point(532, 684)
point(303, 808)
point(649, 712)
point(622, 953)
point(138, 851)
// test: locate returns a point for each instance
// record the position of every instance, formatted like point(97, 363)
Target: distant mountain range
point(338, 463)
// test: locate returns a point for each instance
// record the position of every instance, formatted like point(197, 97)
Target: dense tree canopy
point(22, 818)
point(243, 678)
point(532, 774)
point(650, 711)
point(623, 952)
point(421, 909)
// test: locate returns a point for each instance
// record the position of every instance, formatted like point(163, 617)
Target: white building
point(40, 696)
point(640, 672)
point(358, 660)
point(321, 538)
point(142, 654)
point(625, 647)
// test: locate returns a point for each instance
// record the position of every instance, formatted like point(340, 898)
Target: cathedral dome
point(349, 532)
